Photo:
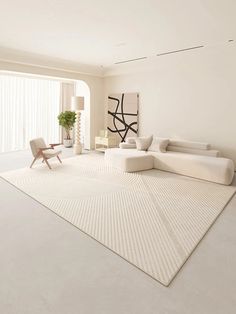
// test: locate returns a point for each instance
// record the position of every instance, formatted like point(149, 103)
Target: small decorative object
point(123, 115)
point(67, 121)
point(105, 133)
point(77, 104)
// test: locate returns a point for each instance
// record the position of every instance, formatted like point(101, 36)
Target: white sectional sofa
point(203, 163)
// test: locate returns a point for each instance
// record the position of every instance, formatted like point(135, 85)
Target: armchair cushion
point(37, 144)
point(49, 153)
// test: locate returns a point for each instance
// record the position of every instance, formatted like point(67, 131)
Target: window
point(28, 108)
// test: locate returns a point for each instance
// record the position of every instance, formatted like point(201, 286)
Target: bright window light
point(28, 109)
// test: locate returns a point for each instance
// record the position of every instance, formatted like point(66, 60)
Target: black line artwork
point(123, 115)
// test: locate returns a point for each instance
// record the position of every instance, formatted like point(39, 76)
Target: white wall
point(189, 95)
point(95, 84)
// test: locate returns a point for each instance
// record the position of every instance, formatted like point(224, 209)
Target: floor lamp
point(77, 104)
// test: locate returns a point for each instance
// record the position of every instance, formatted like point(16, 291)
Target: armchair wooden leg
point(33, 162)
point(59, 159)
point(45, 159)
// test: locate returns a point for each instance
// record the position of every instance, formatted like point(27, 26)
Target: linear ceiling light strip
point(131, 60)
point(180, 50)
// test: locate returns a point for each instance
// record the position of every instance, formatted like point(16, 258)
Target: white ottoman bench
point(131, 163)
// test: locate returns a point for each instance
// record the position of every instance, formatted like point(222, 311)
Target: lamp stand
point(77, 146)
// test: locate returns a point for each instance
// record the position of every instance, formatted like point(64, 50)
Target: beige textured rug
point(153, 219)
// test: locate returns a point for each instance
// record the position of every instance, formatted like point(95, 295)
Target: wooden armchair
point(41, 151)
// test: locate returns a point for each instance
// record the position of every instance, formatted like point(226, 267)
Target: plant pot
point(68, 143)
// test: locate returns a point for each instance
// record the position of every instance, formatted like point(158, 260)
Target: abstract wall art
point(123, 115)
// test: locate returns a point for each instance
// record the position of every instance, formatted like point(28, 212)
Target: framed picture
point(123, 115)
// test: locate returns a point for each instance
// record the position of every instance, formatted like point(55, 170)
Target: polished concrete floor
point(48, 266)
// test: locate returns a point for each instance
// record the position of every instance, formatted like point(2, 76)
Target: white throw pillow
point(130, 140)
point(127, 145)
point(142, 143)
point(159, 144)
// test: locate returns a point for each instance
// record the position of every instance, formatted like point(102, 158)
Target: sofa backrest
point(189, 147)
point(189, 144)
point(194, 151)
point(181, 146)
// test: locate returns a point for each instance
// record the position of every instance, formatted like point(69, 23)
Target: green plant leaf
point(67, 120)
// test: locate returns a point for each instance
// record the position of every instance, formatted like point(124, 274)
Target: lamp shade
point(77, 103)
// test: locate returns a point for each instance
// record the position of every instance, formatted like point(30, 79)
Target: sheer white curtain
point(28, 108)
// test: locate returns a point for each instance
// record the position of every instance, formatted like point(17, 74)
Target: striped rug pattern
point(153, 219)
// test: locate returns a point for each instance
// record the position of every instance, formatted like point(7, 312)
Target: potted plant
point(67, 121)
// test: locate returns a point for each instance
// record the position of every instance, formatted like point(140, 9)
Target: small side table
point(102, 143)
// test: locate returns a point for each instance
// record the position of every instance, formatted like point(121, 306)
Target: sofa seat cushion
point(123, 152)
point(219, 170)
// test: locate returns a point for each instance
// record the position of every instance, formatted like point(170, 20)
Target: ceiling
point(102, 33)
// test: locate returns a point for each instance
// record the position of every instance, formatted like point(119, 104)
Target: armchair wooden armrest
point(53, 145)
